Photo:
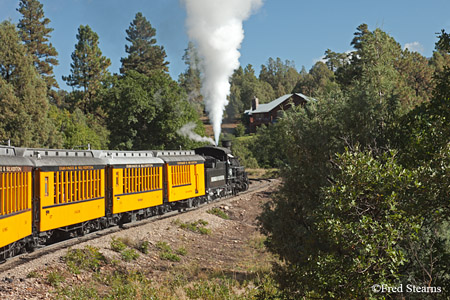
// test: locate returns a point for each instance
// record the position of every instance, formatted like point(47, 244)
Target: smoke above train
point(215, 26)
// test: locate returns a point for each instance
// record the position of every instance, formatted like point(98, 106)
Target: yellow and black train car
point(69, 190)
point(15, 202)
point(184, 177)
point(134, 184)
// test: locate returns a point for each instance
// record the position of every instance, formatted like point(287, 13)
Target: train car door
point(196, 177)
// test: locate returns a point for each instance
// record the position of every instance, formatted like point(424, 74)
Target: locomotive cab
point(225, 168)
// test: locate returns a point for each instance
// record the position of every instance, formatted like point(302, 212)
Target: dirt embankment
point(180, 257)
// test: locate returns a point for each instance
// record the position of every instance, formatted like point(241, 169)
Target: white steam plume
point(216, 28)
point(188, 131)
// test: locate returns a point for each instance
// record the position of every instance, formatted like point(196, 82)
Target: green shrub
point(211, 290)
point(124, 284)
point(163, 246)
point(166, 252)
point(181, 251)
point(117, 244)
point(33, 274)
point(144, 247)
point(169, 256)
point(88, 258)
point(196, 226)
point(54, 278)
point(218, 212)
point(129, 254)
point(78, 292)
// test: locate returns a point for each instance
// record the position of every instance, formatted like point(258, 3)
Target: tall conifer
point(144, 56)
point(35, 34)
point(88, 69)
point(23, 96)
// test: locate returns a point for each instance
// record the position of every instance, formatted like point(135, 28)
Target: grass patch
point(213, 289)
point(166, 252)
point(118, 245)
point(258, 243)
point(169, 256)
point(196, 226)
point(181, 251)
point(88, 258)
point(33, 274)
point(218, 212)
point(129, 254)
point(78, 292)
point(130, 285)
point(121, 245)
point(143, 246)
point(54, 278)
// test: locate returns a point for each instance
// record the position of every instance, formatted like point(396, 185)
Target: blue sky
point(297, 30)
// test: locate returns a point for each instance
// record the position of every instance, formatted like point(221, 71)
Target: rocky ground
point(215, 252)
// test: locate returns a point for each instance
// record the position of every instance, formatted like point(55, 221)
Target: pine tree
point(190, 80)
point(282, 76)
point(35, 34)
point(23, 96)
point(144, 56)
point(88, 69)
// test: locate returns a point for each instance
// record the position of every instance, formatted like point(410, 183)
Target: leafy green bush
point(144, 247)
point(218, 212)
point(241, 149)
point(181, 251)
point(196, 226)
point(33, 274)
point(129, 254)
point(166, 252)
point(215, 289)
point(55, 278)
point(125, 284)
point(117, 244)
point(88, 258)
point(78, 292)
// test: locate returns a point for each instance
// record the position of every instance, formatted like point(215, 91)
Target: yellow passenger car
point(184, 174)
point(15, 198)
point(135, 179)
point(69, 186)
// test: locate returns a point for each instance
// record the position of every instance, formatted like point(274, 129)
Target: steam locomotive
point(48, 193)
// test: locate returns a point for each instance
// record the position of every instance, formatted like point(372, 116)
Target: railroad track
point(11, 263)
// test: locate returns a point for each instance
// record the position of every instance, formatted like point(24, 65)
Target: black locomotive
point(223, 173)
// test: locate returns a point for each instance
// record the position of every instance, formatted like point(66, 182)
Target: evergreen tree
point(443, 78)
point(244, 87)
point(335, 60)
point(190, 80)
point(144, 56)
point(319, 82)
point(415, 78)
point(439, 61)
point(360, 35)
point(282, 76)
point(23, 96)
point(407, 74)
point(88, 69)
point(35, 33)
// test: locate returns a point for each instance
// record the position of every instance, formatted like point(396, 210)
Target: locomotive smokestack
point(226, 144)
